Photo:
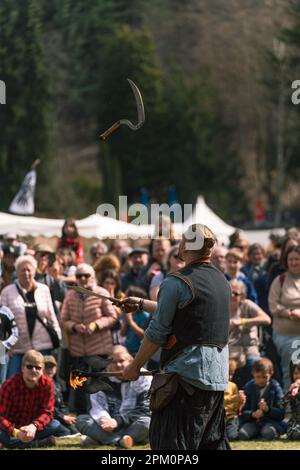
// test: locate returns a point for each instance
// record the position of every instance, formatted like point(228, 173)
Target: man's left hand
point(131, 372)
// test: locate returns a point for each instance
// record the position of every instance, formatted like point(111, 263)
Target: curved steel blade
point(140, 108)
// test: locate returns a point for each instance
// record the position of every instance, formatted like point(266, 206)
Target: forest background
point(216, 79)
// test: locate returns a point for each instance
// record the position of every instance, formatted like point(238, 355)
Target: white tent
point(204, 215)
point(105, 227)
point(93, 226)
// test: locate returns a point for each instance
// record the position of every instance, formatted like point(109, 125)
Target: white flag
point(23, 202)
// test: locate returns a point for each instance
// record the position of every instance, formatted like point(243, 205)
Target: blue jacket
point(272, 395)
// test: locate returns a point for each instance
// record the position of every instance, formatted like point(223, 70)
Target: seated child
point(234, 400)
point(292, 398)
point(61, 412)
point(262, 415)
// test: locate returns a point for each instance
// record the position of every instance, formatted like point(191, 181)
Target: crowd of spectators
point(34, 281)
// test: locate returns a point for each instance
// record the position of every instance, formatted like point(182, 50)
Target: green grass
point(280, 444)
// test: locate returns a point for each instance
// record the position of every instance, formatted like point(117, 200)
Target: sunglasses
point(235, 294)
point(79, 276)
point(50, 366)
point(31, 367)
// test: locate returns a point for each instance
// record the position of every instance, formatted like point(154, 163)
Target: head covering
point(43, 247)
point(10, 236)
point(11, 250)
point(139, 250)
point(199, 238)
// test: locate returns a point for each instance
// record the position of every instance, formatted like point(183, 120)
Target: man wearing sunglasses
point(27, 405)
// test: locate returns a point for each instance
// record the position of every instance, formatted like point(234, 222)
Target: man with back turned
point(191, 323)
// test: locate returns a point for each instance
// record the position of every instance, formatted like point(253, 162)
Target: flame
point(76, 381)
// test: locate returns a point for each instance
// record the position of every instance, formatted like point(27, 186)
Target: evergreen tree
point(24, 120)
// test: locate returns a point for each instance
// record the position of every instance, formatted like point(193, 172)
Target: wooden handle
point(116, 374)
point(109, 131)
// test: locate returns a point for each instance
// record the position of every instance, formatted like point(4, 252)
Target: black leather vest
point(205, 319)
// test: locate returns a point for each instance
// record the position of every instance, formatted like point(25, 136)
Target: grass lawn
point(280, 444)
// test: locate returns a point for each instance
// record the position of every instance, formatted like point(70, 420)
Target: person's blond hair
point(119, 348)
point(34, 357)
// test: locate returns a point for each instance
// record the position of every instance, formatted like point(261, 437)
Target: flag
point(23, 202)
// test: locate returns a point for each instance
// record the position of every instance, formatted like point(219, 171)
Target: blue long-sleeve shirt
point(202, 366)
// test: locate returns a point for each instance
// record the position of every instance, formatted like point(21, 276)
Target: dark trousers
point(190, 422)
point(232, 429)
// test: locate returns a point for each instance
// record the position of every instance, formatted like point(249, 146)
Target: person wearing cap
point(138, 259)
point(191, 323)
point(8, 272)
point(11, 239)
point(88, 322)
point(61, 411)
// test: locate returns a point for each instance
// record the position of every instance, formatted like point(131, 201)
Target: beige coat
point(76, 310)
point(282, 298)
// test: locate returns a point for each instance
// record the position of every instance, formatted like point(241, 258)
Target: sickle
point(140, 110)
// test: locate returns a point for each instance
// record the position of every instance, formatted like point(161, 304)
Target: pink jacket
point(75, 310)
point(40, 340)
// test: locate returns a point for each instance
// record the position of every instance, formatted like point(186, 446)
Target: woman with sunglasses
point(88, 322)
point(245, 317)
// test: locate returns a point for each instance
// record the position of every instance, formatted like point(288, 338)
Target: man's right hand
point(131, 372)
point(130, 304)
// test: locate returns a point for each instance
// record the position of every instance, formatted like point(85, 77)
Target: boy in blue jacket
point(262, 415)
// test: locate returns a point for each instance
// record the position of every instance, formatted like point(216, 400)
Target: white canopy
point(204, 215)
point(105, 227)
point(93, 226)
